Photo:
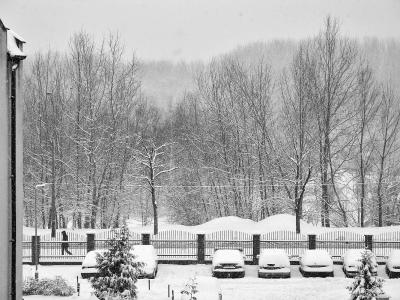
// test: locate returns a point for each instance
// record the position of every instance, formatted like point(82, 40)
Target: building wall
point(5, 172)
point(19, 182)
point(4, 180)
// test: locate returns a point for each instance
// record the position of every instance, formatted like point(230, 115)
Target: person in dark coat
point(64, 244)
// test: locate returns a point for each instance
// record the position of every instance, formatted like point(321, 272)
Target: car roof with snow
point(222, 255)
point(90, 259)
point(142, 249)
point(144, 252)
point(274, 256)
point(354, 253)
point(317, 256)
point(394, 257)
point(395, 252)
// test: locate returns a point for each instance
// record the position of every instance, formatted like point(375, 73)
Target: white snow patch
point(278, 257)
point(228, 256)
point(12, 46)
point(280, 222)
point(250, 287)
point(394, 258)
point(316, 257)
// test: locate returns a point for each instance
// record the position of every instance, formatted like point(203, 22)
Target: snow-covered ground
point(250, 287)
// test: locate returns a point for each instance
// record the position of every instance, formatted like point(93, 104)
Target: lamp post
point(36, 245)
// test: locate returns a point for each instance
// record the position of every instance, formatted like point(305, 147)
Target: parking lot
point(250, 287)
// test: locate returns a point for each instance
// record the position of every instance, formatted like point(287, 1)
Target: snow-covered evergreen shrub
point(47, 287)
point(365, 285)
point(190, 289)
point(118, 271)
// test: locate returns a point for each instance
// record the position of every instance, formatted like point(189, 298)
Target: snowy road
point(248, 288)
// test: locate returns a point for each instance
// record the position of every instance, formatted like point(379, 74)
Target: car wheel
point(332, 274)
point(241, 275)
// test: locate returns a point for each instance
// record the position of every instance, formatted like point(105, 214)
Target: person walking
point(64, 244)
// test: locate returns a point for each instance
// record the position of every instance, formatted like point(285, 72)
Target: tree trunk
point(155, 215)
point(53, 213)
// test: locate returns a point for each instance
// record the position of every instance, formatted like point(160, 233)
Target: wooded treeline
point(318, 139)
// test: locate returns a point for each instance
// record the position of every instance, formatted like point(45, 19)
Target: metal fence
point(294, 248)
point(51, 252)
point(183, 246)
point(229, 239)
point(106, 244)
point(175, 245)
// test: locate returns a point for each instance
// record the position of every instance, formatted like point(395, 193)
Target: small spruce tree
point(365, 285)
point(190, 288)
point(118, 271)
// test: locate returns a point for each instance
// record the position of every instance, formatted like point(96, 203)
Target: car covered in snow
point(352, 262)
point(146, 255)
point(89, 264)
point(316, 263)
point(273, 263)
point(393, 264)
point(228, 262)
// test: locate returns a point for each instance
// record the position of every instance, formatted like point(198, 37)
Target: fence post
point(90, 244)
point(201, 243)
point(35, 252)
point(312, 241)
point(256, 248)
point(368, 241)
point(145, 238)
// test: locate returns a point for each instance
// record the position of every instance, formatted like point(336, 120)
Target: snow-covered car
point(393, 264)
point(228, 262)
point(316, 262)
point(273, 263)
point(89, 264)
point(147, 256)
point(352, 262)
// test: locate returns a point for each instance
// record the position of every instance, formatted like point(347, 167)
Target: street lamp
point(36, 245)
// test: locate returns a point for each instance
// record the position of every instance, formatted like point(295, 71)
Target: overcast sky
point(193, 29)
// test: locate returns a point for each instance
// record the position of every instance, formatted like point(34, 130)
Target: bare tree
point(366, 109)
point(334, 87)
point(297, 90)
point(389, 119)
point(152, 159)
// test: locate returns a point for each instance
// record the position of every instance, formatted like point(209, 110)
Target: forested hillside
point(309, 128)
